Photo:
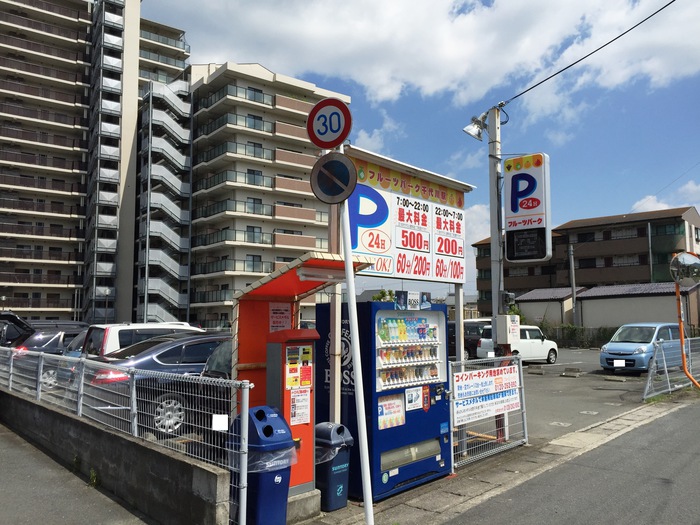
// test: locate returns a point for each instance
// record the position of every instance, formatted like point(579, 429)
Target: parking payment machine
point(290, 387)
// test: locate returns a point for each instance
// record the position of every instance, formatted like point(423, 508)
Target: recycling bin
point(333, 442)
point(271, 454)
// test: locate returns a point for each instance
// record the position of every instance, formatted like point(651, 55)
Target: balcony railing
point(238, 177)
point(40, 114)
point(155, 37)
point(42, 255)
point(43, 184)
point(42, 231)
point(248, 150)
point(214, 296)
point(57, 208)
point(44, 28)
point(233, 265)
point(42, 160)
point(237, 92)
point(9, 279)
point(239, 236)
point(231, 205)
point(235, 120)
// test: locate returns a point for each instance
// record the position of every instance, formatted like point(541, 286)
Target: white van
point(532, 346)
point(103, 339)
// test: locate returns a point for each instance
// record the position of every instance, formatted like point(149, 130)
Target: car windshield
point(634, 334)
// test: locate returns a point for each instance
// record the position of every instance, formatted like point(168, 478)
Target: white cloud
point(462, 48)
point(374, 140)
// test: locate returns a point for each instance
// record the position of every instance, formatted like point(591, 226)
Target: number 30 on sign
point(329, 123)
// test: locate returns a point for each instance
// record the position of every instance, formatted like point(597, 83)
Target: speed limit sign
point(329, 123)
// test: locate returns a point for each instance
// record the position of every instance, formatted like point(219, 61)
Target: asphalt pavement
point(567, 416)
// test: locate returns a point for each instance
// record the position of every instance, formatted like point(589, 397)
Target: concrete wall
point(553, 312)
point(164, 485)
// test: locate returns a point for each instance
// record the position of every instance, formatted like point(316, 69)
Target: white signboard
point(414, 229)
point(484, 393)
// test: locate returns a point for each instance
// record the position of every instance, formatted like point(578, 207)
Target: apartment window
point(586, 263)
point(254, 122)
point(585, 237)
point(253, 263)
point(253, 205)
point(608, 262)
point(643, 259)
point(254, 177)
point(284, 259)
point(290, 204)
point(697, 234)
point(289, 232)
point(253, 234)
point(607, 235)
point(254, 149)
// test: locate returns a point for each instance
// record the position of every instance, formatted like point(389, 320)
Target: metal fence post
point(243, 454)
point(81, 388)
point(39, 373)
point(133, 408)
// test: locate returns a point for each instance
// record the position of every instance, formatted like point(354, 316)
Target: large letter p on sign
point(522, 186)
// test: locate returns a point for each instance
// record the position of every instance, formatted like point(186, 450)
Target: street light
point(490, 122)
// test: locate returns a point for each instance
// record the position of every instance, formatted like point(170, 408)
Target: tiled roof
point(548, 294)
point(626, 290)
point(626, 218)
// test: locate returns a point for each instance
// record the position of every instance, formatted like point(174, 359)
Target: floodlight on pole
point(490, 122)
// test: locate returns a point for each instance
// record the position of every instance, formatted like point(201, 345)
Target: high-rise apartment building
point(253, 209)
point(134, 186)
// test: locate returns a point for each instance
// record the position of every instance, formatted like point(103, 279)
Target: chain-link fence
point(488, 407)
point(666, 373)
point(188, 414)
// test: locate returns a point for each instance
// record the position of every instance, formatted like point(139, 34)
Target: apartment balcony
point(41, 280)
point(529, 282)
point(50, 30)
point(293, 105)
point(36, 183)
point(73, 56)
point(294, 159)
point(111, 85)
point(42, 138)
point(233, 237)
point(48, 95)
point(56, 209)
point(609, 248)
point(232, 267)
point(212, 298)
point(227, 178)
point(106, 246)
point(221, 156)
point(164, 40)
point(107, 222)
point(28, 304)
point(46, 116)
point(108, 175)
point(231, 206)
point(297, 186)
point(293, 213)
point(40, 256)
point(230, 123)
point(668, 244)
point(52, 233)
point(295, 242)
point(54, 74)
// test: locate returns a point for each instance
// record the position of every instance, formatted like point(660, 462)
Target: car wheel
point(168, 417)
point(552, 356)
point(48, 379)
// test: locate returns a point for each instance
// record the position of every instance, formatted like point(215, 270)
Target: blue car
point(632, 347)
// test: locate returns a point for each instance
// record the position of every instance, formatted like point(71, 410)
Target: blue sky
point(621, 128)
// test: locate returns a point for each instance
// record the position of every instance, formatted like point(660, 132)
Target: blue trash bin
point(333, 442)
point(271, 454)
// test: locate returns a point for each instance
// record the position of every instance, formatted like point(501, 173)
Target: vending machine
point(405, 376)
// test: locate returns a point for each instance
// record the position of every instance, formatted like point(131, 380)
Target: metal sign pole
point(357, 366)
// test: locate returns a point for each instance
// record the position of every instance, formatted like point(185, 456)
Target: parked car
point(632, 347)
point(472, 334)
point(103, 339)
point(532, 346)
point(12, 328)
point(50, 341)
point(162, 406)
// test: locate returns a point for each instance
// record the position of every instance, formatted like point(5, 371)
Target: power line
point(588, 55)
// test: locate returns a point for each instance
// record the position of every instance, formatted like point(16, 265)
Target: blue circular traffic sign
point(329, 123)
point(333, 178)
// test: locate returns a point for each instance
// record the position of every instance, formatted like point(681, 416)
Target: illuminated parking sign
point(527, 208)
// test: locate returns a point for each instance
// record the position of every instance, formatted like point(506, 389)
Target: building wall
point(552, 312)
point(610, 312)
